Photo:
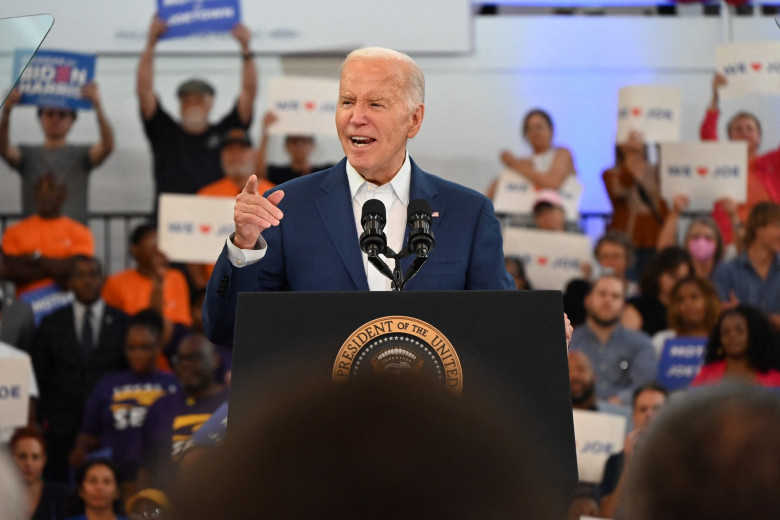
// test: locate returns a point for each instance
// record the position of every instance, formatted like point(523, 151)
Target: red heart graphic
point(636, 111)
point(756, 66)
point(542, 260)
point(309, 105)
point(702, 170)
point(205, 228)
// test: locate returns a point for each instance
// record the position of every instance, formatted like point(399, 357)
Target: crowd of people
point(127, 388)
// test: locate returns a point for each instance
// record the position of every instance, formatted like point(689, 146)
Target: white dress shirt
point(394, 195)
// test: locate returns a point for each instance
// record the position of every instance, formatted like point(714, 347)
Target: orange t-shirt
point(227, 188)
point(60, 237)
point(130, 292)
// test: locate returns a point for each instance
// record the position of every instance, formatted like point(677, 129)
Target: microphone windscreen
point(418, 206)
point(374, 207)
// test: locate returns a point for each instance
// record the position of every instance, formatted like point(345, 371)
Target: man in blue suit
point(304, 236)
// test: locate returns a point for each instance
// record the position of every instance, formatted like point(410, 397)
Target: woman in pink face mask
point(705, 245)
point(703, 239)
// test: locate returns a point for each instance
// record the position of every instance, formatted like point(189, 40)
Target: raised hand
point(254, 213)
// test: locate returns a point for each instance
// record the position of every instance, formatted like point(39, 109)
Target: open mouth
point(361, 142)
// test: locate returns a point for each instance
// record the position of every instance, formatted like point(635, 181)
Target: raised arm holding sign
point(187, 152)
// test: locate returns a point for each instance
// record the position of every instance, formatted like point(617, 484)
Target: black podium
point(506, 346)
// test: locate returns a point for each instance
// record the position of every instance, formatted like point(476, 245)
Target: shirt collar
point(80, 308)
point(400, 183)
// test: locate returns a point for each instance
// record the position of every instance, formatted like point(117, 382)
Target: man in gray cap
point(187, 153)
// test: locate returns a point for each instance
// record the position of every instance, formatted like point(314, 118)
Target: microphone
point(373, 240)
point(421, 240)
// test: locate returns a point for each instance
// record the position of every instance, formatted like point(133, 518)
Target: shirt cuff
point(244, 257)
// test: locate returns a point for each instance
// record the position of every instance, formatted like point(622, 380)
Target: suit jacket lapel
point(335, 209)
point(70, 328)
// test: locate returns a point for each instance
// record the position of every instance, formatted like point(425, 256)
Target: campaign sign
point(14, 391)
point(651, 110)
point(188, 17)
point(46, 299)
point(551, 258)
point(193, 228)
point(55, 78)
point(596, 436)
point(515, 195)
point(681, 360)
point(303, 105)
point(705, 172)
point(749, 67)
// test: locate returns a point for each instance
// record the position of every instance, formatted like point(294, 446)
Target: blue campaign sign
point(188, 17)
point(45, 300)
point(681, 360)
point(55, 78)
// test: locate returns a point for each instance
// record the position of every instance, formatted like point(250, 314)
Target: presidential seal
point(399, 346)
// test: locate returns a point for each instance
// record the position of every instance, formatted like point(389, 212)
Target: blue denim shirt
point(622, 364)
point(740, 277)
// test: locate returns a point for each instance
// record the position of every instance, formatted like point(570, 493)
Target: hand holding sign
point(90, 91)
point(254, 213)
point(157, 29)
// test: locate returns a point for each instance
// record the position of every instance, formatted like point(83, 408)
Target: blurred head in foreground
point(713, 454)
point(380, 449)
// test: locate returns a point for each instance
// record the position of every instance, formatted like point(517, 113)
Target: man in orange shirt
point(39, 250)
point(152, 284)
point(238, 163)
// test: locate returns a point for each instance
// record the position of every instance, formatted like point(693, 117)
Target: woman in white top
point(550, 166)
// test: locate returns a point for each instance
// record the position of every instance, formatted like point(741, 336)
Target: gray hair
point(413, 81)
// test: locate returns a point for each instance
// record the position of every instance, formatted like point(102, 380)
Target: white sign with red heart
point(551, 258)
point(193, 228)
point(652, 110)
point(704, 172)
point(303, 105)
point(749, 67)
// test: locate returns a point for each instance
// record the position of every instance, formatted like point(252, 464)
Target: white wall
point(571, 66)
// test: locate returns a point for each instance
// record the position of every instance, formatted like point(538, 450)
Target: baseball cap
point(236, 136)
point(547, 197)
point(194, 86)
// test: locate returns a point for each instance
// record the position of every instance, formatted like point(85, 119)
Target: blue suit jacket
point(316, 246)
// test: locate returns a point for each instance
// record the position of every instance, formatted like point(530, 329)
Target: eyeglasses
point(154, 514)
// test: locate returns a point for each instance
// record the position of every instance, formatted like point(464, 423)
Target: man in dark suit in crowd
point(309, 240)
point(73, 348)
